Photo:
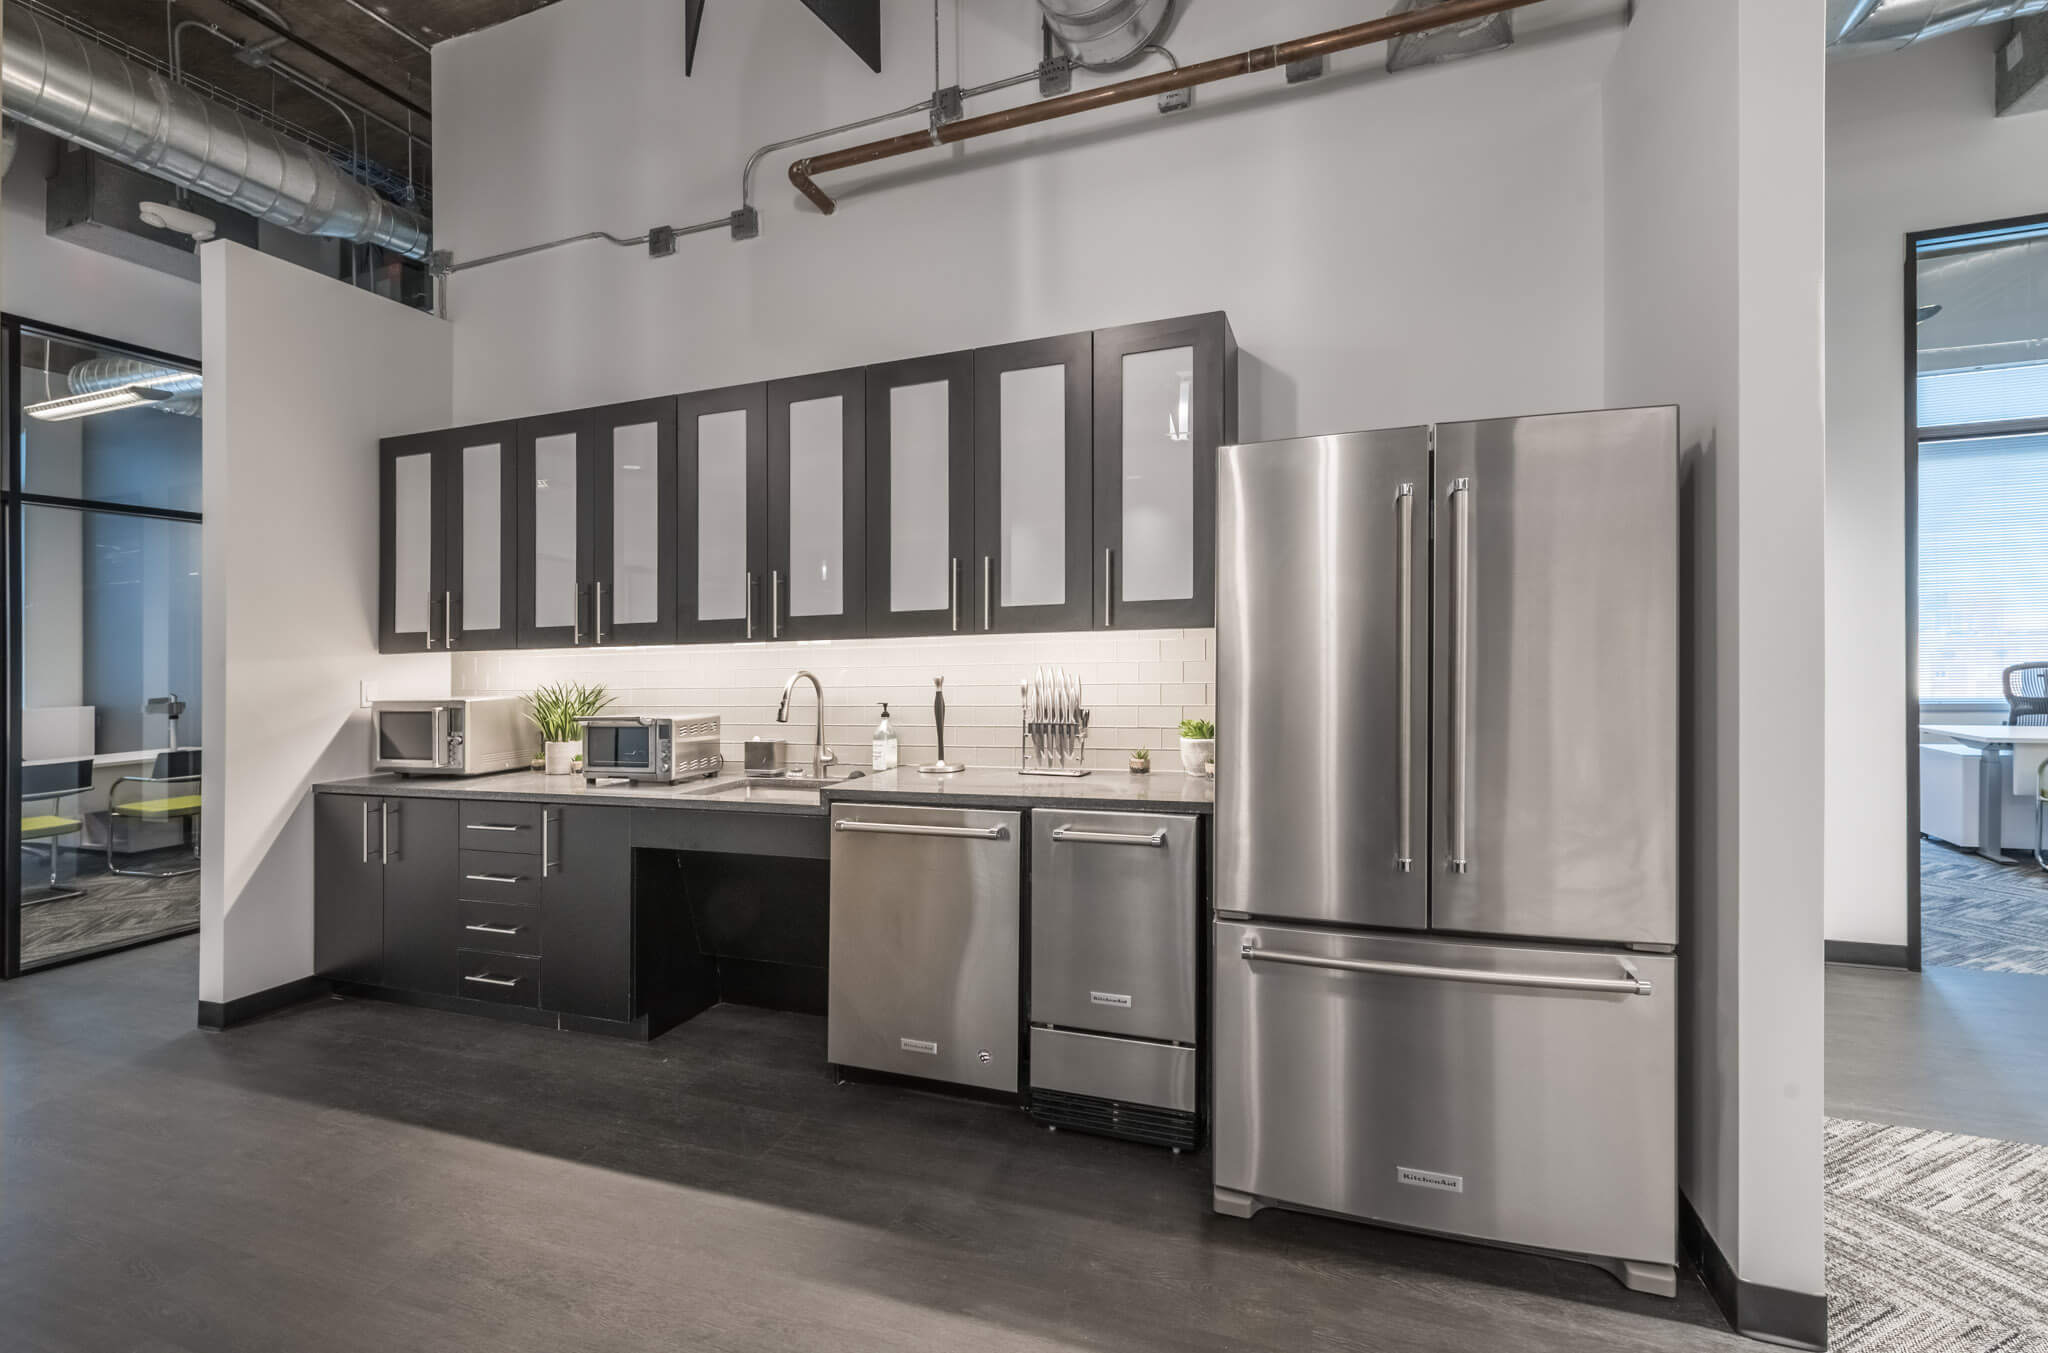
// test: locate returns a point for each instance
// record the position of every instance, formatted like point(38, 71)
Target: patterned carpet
point(115, 908)
point(1976, 914)
point(1937, 1243)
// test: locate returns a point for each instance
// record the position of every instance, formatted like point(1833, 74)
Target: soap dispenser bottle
point(885, 742)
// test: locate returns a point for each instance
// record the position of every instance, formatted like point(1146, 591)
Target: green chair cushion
point(36, 828)
point(183, 806)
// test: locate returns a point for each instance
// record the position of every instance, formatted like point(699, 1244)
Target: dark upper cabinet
point(586, 900)
point(596, 549)
point(920, 508)
point(817, 506)
point(722, 514)
point(448, 566)
point(1165, 399)
point(384, 893)
point(1033, 485)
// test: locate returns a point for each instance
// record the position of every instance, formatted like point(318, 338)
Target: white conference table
point(2000, 744)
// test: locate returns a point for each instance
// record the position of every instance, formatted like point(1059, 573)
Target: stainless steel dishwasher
point(1115, 958)
point(926, 937)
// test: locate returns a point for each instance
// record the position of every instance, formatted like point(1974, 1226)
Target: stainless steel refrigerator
point(1445, 981)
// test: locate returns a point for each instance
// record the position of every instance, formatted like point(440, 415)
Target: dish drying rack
point(1055, 725)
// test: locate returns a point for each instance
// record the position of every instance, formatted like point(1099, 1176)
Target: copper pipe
point(802, 172)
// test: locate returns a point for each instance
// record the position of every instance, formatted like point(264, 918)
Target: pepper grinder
point(940, 766)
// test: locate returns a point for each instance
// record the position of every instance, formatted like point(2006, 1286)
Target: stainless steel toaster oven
point(660, 747)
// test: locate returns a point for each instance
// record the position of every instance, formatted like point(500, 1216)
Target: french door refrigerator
point(1446, 819)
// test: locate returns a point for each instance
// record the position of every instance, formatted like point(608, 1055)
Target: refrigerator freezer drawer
point(1516, 1094)
point(1122, 1069)
point(1116, 926)
point(925, 935)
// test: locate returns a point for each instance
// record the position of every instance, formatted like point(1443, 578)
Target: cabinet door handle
point(577, 621)
point(987, 563)
point(430, 621)
point(495, 878)
point(750, 603)
point(366, 831)
point(953, 590)
point(447, 620)
point(774, 603)
point(544, 861)
point(597, 612)
point(384, 811)
point(486, 928)
point(491, 981)
point(1108, 582)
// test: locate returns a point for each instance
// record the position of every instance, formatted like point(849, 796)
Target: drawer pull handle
point(486, 928)
point(1154, 838)
point(495, 878)
point(995, 833)
point(490, 827)
point(1627, 985)
point(491, 981)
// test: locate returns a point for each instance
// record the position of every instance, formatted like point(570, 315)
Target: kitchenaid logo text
point(1429, 1179)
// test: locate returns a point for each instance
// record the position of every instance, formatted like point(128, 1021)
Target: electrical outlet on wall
point(369, 693)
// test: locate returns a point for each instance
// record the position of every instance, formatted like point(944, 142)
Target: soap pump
point(885, 742)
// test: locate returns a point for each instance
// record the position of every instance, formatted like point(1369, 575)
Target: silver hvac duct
point(1105, 32)
point(1901, 23)
point(52, 78)
point(113, 373)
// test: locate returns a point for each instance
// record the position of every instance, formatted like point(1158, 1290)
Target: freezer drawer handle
point(1157, 838)
point(995, 833)
point(1628, 985)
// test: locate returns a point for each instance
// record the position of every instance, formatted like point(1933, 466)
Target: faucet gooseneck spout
point(821, 757)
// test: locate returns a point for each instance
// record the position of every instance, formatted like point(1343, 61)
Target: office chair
point(54, 781)
point(172, 768)
point(2026, 692)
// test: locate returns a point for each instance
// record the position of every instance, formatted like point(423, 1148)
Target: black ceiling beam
point(250, 13)
point(693, 20)
point(858, 24)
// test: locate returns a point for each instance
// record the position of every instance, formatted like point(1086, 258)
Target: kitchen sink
point(753, 791)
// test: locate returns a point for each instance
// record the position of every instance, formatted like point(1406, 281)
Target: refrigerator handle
point(1460, 498)
point(1404, 646)
point(1628, 984)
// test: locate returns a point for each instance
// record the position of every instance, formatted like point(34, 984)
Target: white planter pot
point(1194, 752)
point(559, 757)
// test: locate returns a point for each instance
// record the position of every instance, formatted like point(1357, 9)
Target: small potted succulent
point(558, 711)
point(1141, 761)
point(1197, 746)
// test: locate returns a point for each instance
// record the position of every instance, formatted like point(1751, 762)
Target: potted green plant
point(558, 711)
point(1197, 745)
point(1141, 761)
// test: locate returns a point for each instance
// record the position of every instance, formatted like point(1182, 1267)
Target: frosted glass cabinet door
point(1032, 467)
point(482, 537)
point(633, 593)
point(722, 514)
point(817, 506)
point(412, 577)
point(557, 546)
point(920, 512)
point(1165, 398)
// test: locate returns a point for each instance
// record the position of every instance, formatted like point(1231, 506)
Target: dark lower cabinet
point(586, 900)
point(420, 895)
point(348, 889)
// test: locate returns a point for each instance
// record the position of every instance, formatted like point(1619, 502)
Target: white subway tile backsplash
point(1138, 687)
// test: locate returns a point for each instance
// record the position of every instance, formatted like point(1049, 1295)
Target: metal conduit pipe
point(804, 171)
point(54, 79)
point(1901, 23)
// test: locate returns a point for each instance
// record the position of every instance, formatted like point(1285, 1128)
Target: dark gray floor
point(1957, 1049)
point(350, 1175)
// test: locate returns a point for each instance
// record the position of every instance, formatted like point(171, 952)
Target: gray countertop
point(976, 787)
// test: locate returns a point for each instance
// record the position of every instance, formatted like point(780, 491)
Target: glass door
point(1032, 484)
point(921, 496)
point(633, 590)
point(722, 514)
point(817, 506)
point(478, 481)
point(557, 546)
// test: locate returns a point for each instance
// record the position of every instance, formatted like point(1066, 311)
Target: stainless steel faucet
point(823, 757)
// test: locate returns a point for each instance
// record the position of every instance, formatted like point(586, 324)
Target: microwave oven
point(661, 747)
point(462, 735)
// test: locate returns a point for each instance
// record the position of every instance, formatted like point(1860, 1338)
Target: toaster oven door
point(412, 738)
point(618, 748)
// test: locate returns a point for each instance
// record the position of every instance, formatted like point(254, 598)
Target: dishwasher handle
point(995, 833)
point(1627, 985)
point(1153, 838)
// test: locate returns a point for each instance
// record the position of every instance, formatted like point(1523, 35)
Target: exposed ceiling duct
point(99, 375)
point(55, 79)
point(1099, 33)
point(1901, 23)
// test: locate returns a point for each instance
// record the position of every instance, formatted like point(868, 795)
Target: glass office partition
point(103, 593)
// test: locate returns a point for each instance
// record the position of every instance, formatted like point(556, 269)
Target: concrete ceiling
point(335, 43)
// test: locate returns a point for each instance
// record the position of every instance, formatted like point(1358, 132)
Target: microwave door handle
point(440, 754)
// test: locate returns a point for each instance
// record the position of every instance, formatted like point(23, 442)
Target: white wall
point(1714, 291)
point(1912, 145)
point(1389, 251)
point(62, 283)
point(303, 376)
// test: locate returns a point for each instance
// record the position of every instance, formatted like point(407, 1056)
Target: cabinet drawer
point(495, 876)
point(1115, 923)
point(500, 927)
point(513, 827)
point(504, 978)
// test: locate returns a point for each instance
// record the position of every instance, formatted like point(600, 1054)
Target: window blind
point(1994, 395)
point(1983, 561)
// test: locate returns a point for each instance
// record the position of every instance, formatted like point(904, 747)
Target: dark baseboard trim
point(1772, 1314)
point(1869, 955)
point(636, 1028)
point(227, 1014)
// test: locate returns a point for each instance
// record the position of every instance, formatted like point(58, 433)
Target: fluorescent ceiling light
point(100, 401)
